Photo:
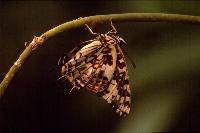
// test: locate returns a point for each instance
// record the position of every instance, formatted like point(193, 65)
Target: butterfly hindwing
point(80, 68)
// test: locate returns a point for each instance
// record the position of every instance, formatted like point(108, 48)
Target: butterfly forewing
point(118, 93)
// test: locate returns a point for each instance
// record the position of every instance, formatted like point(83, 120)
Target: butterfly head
point(111, 38)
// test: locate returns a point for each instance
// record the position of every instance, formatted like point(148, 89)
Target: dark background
point(165, 84)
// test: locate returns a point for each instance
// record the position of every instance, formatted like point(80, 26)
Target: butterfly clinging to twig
point(100, 67)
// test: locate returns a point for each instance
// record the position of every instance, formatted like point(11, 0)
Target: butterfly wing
point(118, 92)
point(104, 72)
point(79, 69)
point(94, 59)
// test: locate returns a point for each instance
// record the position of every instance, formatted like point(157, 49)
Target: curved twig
point(135, 17)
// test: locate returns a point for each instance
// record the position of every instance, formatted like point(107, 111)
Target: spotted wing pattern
point(89, 62)
point(100, 67)
point(118, 93)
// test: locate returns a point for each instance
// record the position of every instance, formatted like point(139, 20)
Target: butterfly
point(100, 67)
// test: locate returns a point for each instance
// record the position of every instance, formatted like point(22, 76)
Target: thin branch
point(92, 20)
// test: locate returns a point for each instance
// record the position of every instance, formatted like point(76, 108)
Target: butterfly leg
point(113, 30)
point(90, 30)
